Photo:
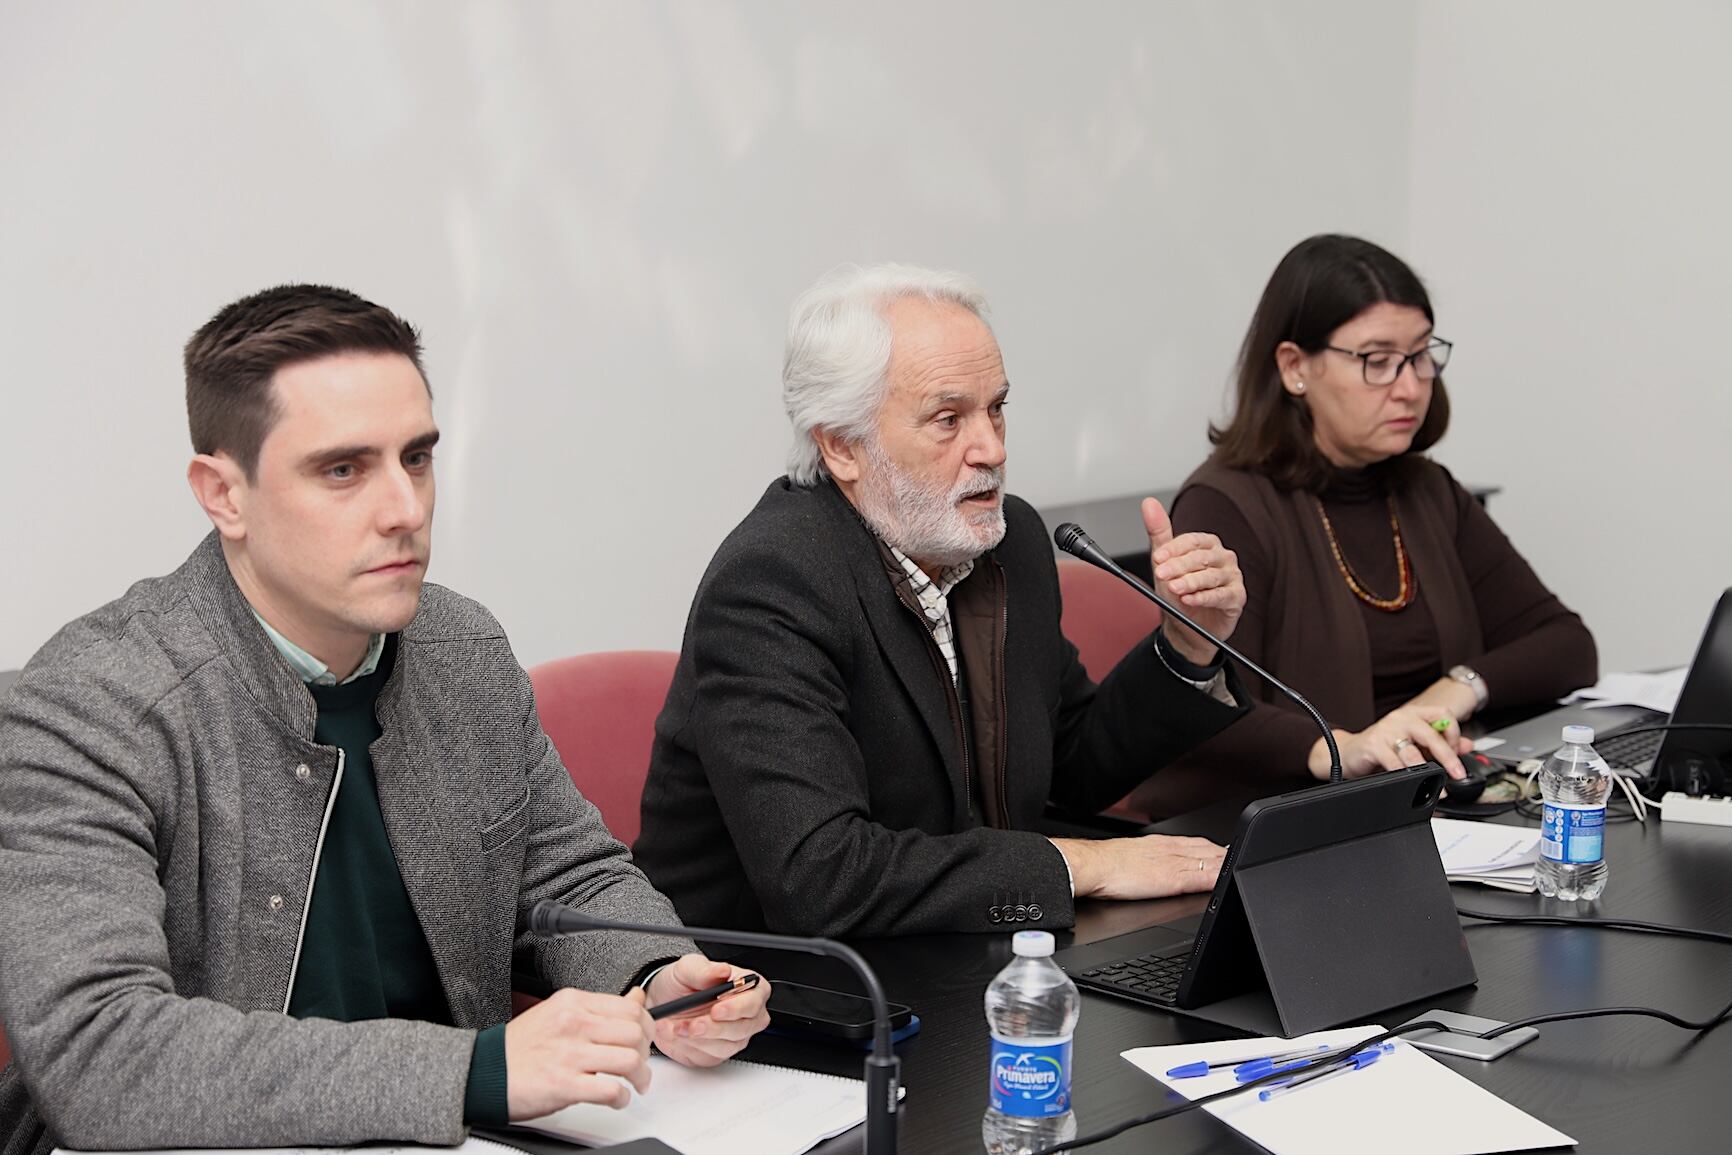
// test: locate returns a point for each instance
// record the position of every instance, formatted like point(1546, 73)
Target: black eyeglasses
point(1383, 366)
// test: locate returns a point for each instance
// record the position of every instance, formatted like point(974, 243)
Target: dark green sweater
point(364, 955)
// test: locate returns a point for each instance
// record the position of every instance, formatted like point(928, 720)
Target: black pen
point(698, 998)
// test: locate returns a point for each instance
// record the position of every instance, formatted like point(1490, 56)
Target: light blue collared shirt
point(314, 672)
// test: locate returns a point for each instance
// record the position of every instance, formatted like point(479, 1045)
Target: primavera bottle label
point(1573, 835)
point(1030, 1080)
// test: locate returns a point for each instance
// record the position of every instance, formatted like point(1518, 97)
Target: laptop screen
point(1697, 761)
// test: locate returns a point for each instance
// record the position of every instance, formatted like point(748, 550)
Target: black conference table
point(1616, 1084)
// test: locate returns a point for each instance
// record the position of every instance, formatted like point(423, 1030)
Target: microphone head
point(544, 917)
point(1070, 537)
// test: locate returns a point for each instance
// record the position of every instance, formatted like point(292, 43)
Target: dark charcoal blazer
point(807, 773)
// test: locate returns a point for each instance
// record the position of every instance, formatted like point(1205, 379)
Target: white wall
point(598, 213)
point(1570, 212)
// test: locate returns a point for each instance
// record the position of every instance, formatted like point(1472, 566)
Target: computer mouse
point(1464, 791)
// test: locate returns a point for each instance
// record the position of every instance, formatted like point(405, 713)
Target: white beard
point(929, 526)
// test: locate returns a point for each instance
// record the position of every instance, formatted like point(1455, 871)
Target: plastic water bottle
point(1575, 783)
point(1031, 1009)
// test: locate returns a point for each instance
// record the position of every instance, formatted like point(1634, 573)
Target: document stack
point(1488, 853)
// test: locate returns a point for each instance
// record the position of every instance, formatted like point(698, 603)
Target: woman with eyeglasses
point(1377, 586)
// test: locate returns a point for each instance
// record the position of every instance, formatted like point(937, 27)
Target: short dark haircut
point(1320, 285)
point(232, 359)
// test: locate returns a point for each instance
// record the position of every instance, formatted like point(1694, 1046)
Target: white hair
point(834, 373)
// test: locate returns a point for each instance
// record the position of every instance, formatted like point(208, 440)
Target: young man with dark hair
point(272, 821)
point(231, 361)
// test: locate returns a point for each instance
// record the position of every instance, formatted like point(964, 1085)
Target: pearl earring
point(1298, 386)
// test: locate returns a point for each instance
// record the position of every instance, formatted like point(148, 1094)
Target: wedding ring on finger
point(1402, 744)
point(1199, 866)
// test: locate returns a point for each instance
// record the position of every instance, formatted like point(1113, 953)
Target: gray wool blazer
point(164, 805)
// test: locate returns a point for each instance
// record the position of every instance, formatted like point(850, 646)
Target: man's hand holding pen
point(583, 1047)
point(703, 1037)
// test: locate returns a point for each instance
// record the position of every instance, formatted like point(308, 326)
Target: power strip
point(1710, 811)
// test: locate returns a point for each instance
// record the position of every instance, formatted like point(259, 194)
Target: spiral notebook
point(737, 1108)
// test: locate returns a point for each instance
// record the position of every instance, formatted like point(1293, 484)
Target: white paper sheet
point(1406, 1102)
point(1470, 848)
point(1651, 691)
point(737, 1108)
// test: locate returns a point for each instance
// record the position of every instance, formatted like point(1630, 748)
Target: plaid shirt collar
point(934, 596)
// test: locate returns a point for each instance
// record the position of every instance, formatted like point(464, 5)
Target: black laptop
point(1331, 907)
point(1692, 761)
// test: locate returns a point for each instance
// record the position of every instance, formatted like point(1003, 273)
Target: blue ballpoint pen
point(1354, 1062)
point(1197, 1069)
point(1251, 1071)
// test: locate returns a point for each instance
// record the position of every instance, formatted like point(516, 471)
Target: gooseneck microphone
point(883, 1068)
point(1071, 538)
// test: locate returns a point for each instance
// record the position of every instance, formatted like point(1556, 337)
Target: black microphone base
point(883, 1089)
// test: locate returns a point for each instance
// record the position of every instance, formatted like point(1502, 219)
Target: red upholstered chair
point(600, 711)
point(1103, 617)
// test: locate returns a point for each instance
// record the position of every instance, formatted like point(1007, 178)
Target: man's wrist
point(1194, 667)
point(1078, 856)
point(651, 976)
point(1069, 874)
point(650, 971)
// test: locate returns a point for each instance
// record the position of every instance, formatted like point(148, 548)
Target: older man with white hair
point(874, 702)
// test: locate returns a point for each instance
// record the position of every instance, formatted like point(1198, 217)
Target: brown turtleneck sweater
point(1526, 644)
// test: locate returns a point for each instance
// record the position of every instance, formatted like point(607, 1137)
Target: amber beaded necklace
point(1404, 592)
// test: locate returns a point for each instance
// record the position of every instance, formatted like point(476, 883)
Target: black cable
point(1607, 1012)
point(1619, 808)
point(1632, 925)
point(1628, 924)
point(1286, 1071)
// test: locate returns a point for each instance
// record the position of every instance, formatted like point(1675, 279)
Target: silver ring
point(1199, 866)
point(1400, 743)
